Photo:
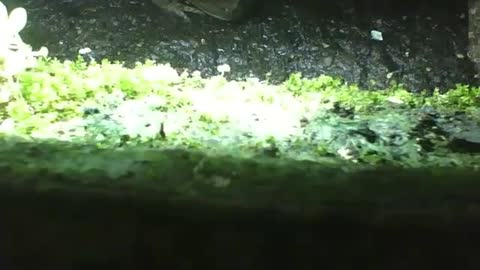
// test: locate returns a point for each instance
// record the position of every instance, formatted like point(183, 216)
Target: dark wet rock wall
point(424, 42)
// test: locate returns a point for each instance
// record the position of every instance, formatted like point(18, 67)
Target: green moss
point(205, 113)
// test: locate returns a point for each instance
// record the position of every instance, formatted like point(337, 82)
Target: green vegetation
point(152, 106)
point(320, 119)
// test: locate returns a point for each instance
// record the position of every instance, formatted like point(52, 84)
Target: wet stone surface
point(421, 47)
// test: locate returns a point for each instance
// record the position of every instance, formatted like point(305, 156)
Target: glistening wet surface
point(422, 47)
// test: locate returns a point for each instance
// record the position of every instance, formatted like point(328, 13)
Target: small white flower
point(15, 54)
point(223, 69)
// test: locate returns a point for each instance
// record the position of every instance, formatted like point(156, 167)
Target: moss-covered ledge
point(192, 181)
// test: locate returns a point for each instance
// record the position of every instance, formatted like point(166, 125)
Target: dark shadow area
point(72, 231)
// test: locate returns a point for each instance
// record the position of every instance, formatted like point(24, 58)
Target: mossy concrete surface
point(77, 207)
